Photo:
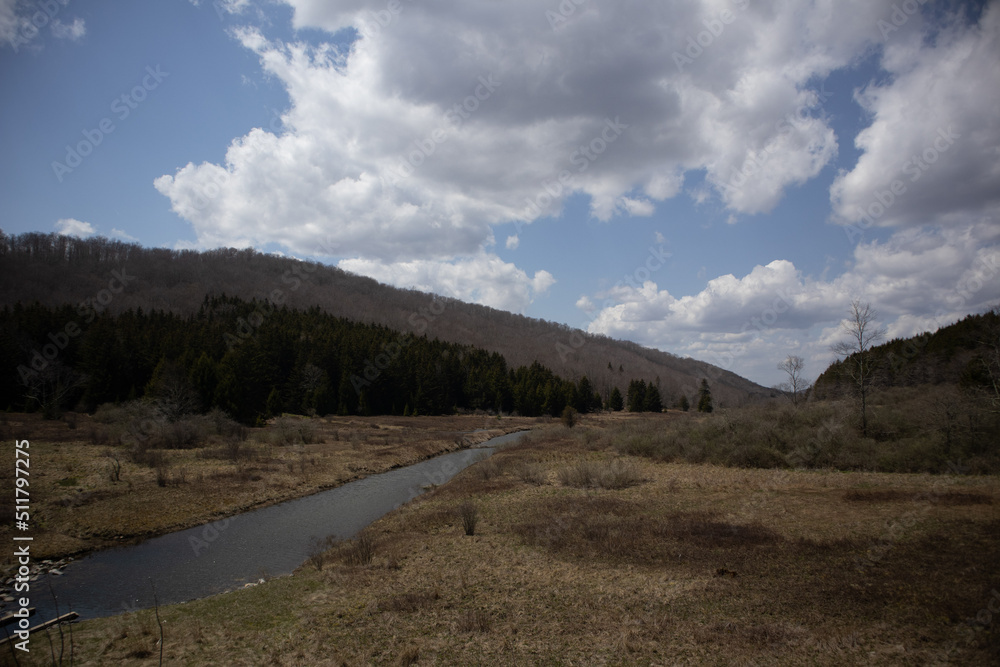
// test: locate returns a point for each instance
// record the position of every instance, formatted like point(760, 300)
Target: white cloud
point(21, 21)
point(445, 120)
point(481, 278)
point(919, 280)
point(638, 207)
point(930, 153)
point(74, 227)
point(125, 236)
point(226, 6)
point(74, 31)
point(403, 154)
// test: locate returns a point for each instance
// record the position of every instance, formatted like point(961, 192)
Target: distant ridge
point(107, 274)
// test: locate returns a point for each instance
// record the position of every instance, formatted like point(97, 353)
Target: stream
point(229, 553)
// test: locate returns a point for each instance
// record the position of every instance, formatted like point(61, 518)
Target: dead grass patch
point(624, 531)
point(474, 620)
point(954, 498)
point(407, 603)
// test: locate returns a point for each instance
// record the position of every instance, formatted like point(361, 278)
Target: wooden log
point(47, 624)
point(10, 617)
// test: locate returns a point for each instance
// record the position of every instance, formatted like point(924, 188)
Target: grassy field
point(582, 555)
point(95, 484)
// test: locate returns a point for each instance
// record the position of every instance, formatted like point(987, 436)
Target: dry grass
point(109, 479)
point(614, 474)
point(699, 564)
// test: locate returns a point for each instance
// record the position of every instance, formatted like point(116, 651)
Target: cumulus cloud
point(482, 278)
point(919, 279)
point(930, 152)
point(417, 132)
point(74, 227)
point(443, 121)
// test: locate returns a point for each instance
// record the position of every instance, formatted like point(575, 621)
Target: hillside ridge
point(99, 274)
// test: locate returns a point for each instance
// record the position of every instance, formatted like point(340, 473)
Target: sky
point(718, 179)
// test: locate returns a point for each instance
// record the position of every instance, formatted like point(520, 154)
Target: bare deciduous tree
point(863, 333)
point(52, 385)
point(796, 385)
point(990, 360)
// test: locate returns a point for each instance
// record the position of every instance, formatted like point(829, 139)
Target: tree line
point(254, 359)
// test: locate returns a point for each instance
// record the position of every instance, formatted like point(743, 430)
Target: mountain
point(99, 275)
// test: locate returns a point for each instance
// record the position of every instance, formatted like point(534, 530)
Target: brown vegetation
point(116, 477)
point(698, 564)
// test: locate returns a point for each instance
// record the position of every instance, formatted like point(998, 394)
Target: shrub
point(162, 474)
point(318, 551)
point(360, 550)
point(616, 474)
point(755, 456)
point(488, 468)
point(470, 517)
point(142, 454)
point(532, 473)
point(291, 431)
point(569, 417)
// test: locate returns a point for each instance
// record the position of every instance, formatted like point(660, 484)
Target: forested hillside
point(966, 353)
point(254, 361)
point(106, 276)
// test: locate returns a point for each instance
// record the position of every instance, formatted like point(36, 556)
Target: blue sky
point(701, 168)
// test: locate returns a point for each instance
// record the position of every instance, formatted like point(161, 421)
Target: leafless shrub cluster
point(469, 514)
point(360, 551)
point(291, 431)
point(319, 550)
point(614, 474)
point(488, 468)
point(532, 472)
point(909, 429)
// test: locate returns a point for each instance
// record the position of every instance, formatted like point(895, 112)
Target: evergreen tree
point(585, 396)
point(704, 397)
point(636, 395)
point(615, 402)
point(652, 401)
point(683, 403)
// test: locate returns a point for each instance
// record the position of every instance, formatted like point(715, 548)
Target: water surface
point(229, 553)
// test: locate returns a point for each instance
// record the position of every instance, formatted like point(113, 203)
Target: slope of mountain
point(965, 353)
point(99, 274)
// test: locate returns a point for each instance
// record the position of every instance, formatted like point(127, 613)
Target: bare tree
point(863, 334)
point(796, 385)
point(990, 359)
point(51, 386)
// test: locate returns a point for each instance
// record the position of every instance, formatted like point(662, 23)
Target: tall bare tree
point(990, 360)
point(863, 333)
point(796, 385)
